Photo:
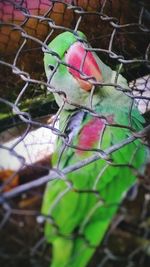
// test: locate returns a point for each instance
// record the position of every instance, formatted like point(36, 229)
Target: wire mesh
point(118, 32)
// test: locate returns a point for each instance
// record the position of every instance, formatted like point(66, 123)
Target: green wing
point(81, 217)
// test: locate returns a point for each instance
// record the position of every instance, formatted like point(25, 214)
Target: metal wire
point(118, 32)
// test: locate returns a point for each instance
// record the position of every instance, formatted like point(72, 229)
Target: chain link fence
point(119, 33)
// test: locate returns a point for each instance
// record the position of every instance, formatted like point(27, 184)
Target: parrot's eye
point(51, 67)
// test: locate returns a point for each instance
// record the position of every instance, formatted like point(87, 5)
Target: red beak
point(85, 62)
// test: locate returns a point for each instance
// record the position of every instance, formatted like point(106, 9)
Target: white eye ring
point(51, 67)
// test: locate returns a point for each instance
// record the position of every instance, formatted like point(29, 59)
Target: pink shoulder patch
point(90, 134)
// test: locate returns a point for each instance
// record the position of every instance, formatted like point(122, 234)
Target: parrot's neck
point(112, 97)
point(106, 97)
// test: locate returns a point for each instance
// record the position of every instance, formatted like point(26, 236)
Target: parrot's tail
point(62, 250)
point(77, 252)
point(71, 253)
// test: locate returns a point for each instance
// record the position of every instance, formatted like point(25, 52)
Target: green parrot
point(80, 206)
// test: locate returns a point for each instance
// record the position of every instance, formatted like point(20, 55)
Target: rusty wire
point(25, 32)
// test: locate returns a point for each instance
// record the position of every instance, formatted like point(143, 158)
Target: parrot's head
point(72, 69)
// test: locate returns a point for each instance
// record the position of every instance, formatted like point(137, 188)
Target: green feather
point(78, 218)
point(82, 212)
